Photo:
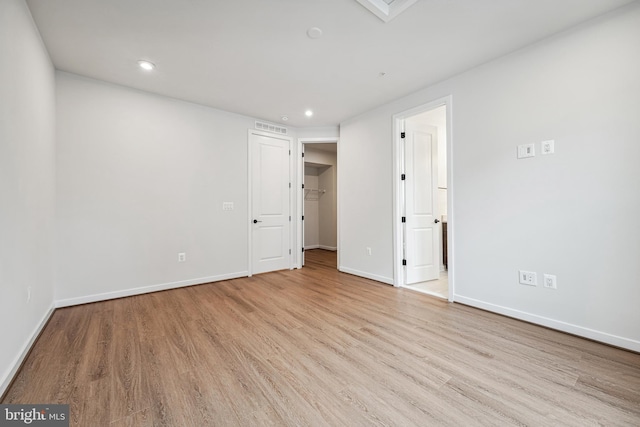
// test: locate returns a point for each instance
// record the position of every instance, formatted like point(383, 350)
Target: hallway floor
point(439, 287)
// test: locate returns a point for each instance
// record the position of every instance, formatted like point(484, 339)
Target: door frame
point(250, 195)
point(398, 208)
point(300, 194)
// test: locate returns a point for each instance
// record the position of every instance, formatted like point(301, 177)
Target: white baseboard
point(387, 280)
point(146, 289)
point(9, 375)
point(17, 362)
point(603, 337)
point(326, 248)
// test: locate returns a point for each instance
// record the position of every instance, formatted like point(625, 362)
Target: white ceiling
point(253, 57)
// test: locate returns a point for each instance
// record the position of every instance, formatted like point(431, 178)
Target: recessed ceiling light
point(146, 65)
point(314, 33)
point(285, 118)
point(308, 113)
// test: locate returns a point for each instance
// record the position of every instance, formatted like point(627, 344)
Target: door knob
point(255, 221)
point(436, 220)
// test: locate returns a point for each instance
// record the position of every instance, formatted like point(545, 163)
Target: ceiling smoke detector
point(386, 9)
point(314, 33)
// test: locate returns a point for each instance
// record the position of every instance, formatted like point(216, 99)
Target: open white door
point(270, 201)
point(422, 223)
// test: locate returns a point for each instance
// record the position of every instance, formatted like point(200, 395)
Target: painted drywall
point(27, 184)
point(572, 214)
point(141, 178)
point(365, 196)
point(318, 132)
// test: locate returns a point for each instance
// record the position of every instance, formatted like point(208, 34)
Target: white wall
point(318, 132)
point(27, 184)
point(573, 214)
point(365, 195)
point(140, 178)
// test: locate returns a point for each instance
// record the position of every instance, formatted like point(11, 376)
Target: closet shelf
point(313, 193)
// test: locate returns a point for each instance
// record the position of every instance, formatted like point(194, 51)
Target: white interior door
point(270, 202)
point(422, 223)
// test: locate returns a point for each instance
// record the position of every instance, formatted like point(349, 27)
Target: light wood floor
point(318, 347)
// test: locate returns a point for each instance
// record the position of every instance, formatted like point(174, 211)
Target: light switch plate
point(227, 206)
point(526, 150)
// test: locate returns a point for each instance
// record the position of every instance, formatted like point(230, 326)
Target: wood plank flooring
point(318, 347)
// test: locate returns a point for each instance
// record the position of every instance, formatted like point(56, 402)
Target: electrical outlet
point(548, 147)
point(369, 251)
point(182, 257)
point(528, 278)
point(550, 281)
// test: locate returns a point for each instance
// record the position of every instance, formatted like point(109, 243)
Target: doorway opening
point(422, 199)
point(318, 198)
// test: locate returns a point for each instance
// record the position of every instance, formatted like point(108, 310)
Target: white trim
point(147, 289)
point(450, 192)
point(326, 248)
point(570, 328)
point(300, 195)
point(386, 12)
point(398, 276)
point(250, 198)
point(339, 180)
point(387, 280)
point(249, 204)
point(10, 373)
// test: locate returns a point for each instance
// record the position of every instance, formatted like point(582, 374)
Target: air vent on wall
point(271, 128)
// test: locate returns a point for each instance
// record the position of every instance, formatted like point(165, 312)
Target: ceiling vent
point(271, 128)
point(387, 9)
